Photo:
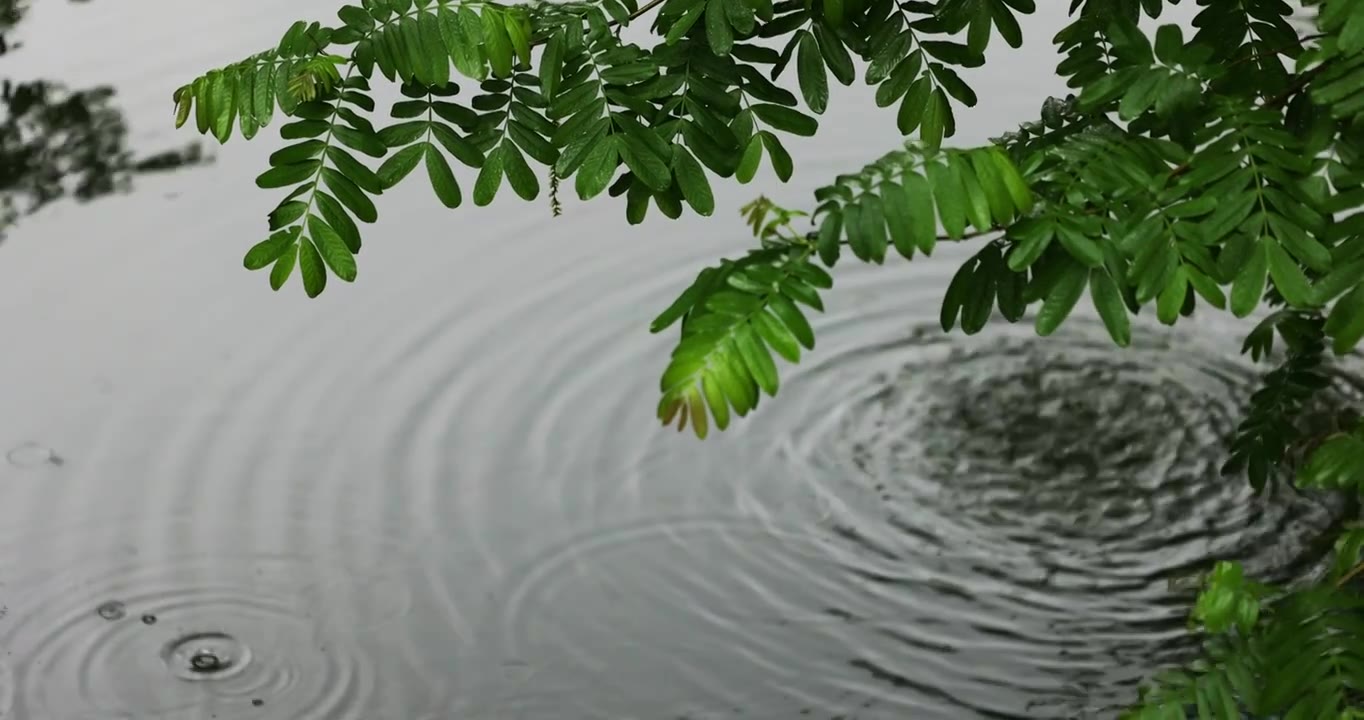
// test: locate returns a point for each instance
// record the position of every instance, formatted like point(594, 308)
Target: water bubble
point(148, 619)
point(32, 455)
point(206, 656)
point(112, 610)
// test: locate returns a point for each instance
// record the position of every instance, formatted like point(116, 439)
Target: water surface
point(441, 493)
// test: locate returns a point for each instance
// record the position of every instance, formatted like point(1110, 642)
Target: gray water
point(441, 493)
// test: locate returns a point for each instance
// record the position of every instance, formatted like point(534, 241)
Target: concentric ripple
point(920, 525)
point(1040, 495)
point(228, 629)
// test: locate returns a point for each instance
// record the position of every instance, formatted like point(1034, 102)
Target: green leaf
point(901, 77)
point(437, 60)
point(1172, 297)
point(953, 53)
point(1249, 285)
point(830, 235)
point(489, 177)
point(814, 80)
point(361, 175)
point(791, 316)
point(958, 291)
point(691, 179)
point(286, 175)
point(367, 143)
point(948, 191)
point(718, 33)
point(442, 178)
point(977, 203)
point(269, 250)
point(350, 195)
point(923, 223)
point(1345, 324)
point(835, 54)
point(497, 44)
point(786, 119)
point(338, 219)
point(1338, 463)
point(1169, 44)
point(314, 271)
point(519, 175)
point(551, 64)
point(936, 113)
point(833, 12)
point(332, 248)
point(914, 106)
point(1062, 297)
point(458, 147)
point(289, 211)
point(1108, 301)
point(598, 168)
point(776, 152)
point(462, 33)
point(400, 164)
point(1080, 247)
point(777, 336)
point(648, 167)
point(752, 158)
point(683, 24)
point(954, 85)
point(518, 30)
point(1288, 277)
point(284, 266)
point(756, 358)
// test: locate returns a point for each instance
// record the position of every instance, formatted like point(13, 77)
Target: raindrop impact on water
point(112, 610)
point(206, 656)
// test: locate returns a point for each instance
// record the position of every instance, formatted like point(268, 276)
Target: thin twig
point(1354, 572)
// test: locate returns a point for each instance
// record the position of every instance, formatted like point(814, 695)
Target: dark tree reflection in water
point(57, 142)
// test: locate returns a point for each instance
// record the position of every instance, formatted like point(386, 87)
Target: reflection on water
point(441, 494)
point(56, 142)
